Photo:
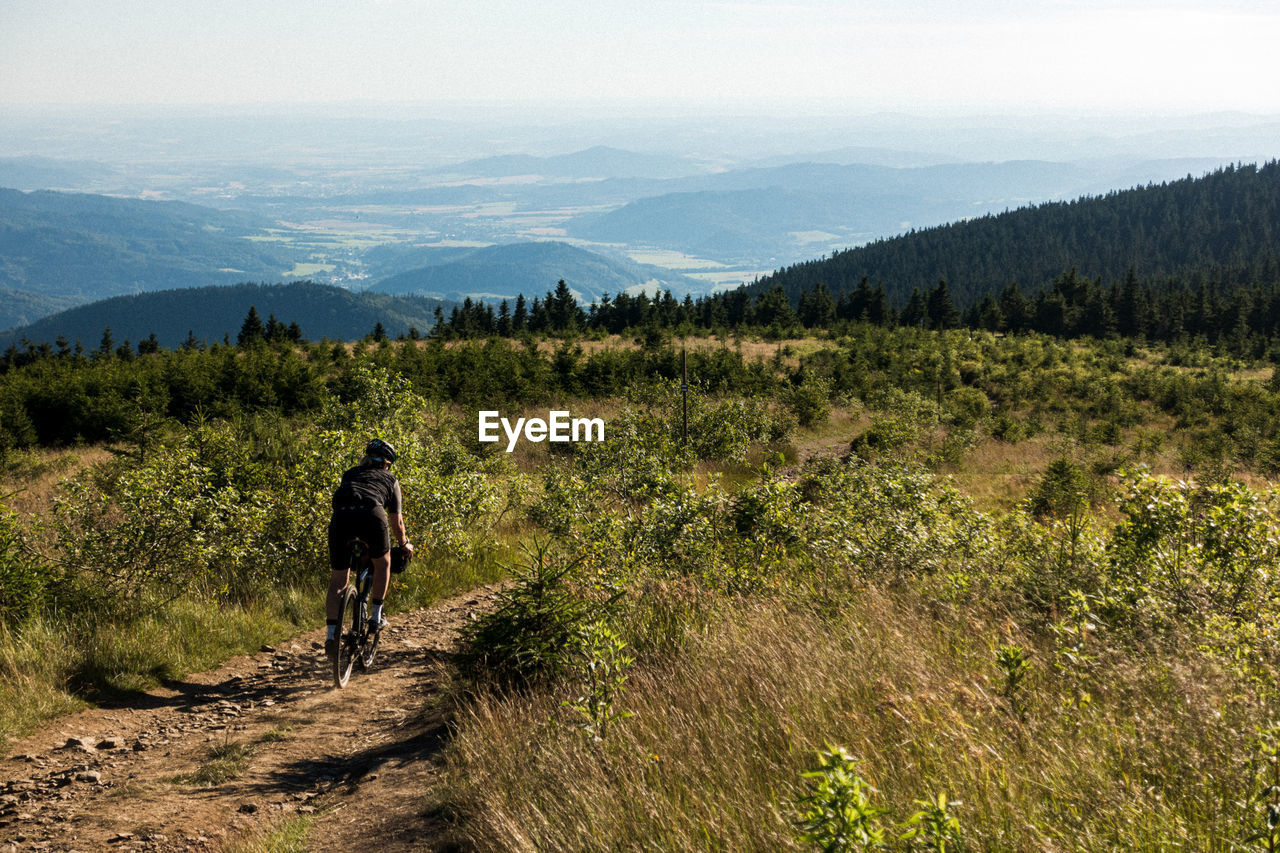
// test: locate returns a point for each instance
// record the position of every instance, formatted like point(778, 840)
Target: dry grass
point(997, 475)
point(290, 835)
point(30, 480)
point(834, 435)
point(711, 759)
point(753, 348)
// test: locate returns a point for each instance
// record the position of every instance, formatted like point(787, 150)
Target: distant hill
point(532, 269)
point(747, 224)
point(40, 173)
point(1225, 222)
point(598, 162)
point(19, 307)
point(861, 154)
point(60, 248)
point(212, 312)
point(798, 210)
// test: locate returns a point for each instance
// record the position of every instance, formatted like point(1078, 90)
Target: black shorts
point(367, 524)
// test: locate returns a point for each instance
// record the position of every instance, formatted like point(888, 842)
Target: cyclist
point(365, 506)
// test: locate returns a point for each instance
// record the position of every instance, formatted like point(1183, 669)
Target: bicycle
point(357, 645)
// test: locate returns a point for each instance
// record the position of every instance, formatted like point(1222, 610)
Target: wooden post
point(684, 393)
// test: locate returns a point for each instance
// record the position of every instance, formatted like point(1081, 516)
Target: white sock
point(375, 615)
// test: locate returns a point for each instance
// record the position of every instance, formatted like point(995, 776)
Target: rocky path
point(225, 757)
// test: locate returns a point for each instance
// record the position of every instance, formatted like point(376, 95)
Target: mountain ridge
point(58, 247)
point(598, 161)
point(1229, 218)
point(210, 313)
point(532, 268)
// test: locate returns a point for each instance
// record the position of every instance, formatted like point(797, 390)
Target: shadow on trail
point(423, 742)
point(187, 695)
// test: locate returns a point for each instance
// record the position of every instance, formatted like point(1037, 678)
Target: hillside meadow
point(898, 589)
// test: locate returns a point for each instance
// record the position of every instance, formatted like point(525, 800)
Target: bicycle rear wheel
point(349, 638)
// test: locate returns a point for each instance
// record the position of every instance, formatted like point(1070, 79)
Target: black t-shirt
point(368, 486)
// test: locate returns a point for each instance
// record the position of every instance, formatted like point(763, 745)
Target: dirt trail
point(359, 759)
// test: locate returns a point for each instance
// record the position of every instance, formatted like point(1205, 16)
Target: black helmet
point(380, 450)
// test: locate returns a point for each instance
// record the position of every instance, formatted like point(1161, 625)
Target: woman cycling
point(366, 506)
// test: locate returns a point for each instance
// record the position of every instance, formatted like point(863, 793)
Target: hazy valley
point(407, 205)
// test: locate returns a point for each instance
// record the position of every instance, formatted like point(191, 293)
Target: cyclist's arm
point(394, 517)
point(396, 522)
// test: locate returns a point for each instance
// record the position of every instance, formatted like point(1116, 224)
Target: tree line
point(1241, 320)
point(1243, 317)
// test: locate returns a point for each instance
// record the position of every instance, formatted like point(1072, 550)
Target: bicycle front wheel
point(349, 638)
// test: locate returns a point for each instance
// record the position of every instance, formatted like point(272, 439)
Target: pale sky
point(1159, 56)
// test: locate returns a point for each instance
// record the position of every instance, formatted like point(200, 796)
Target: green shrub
point(538, 629)
point(1065, 489)
point(836, 814)
point(809, 401)
point(886, 435)
point(1195, 549)
point(967, 407)
point(24, 579)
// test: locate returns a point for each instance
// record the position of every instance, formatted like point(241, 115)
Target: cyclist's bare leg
point(381, 577)
point(337, 580)
point(378, 590)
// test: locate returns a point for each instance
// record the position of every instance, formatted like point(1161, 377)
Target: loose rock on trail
point(226, 755)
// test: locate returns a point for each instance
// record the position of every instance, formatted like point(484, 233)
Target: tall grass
point(711, 759)
point(34, 668)
point(187, 636)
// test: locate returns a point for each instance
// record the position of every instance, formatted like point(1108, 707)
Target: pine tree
point(149, 346)
point(538, 317)
point(817, 308)
point(940, 309)
point(504, 319)
point(520, 318)
point(562, 309)
point(1013, 305)
point(773, 309)
point(914, 314)
point(987, 315)
point(251, 330)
